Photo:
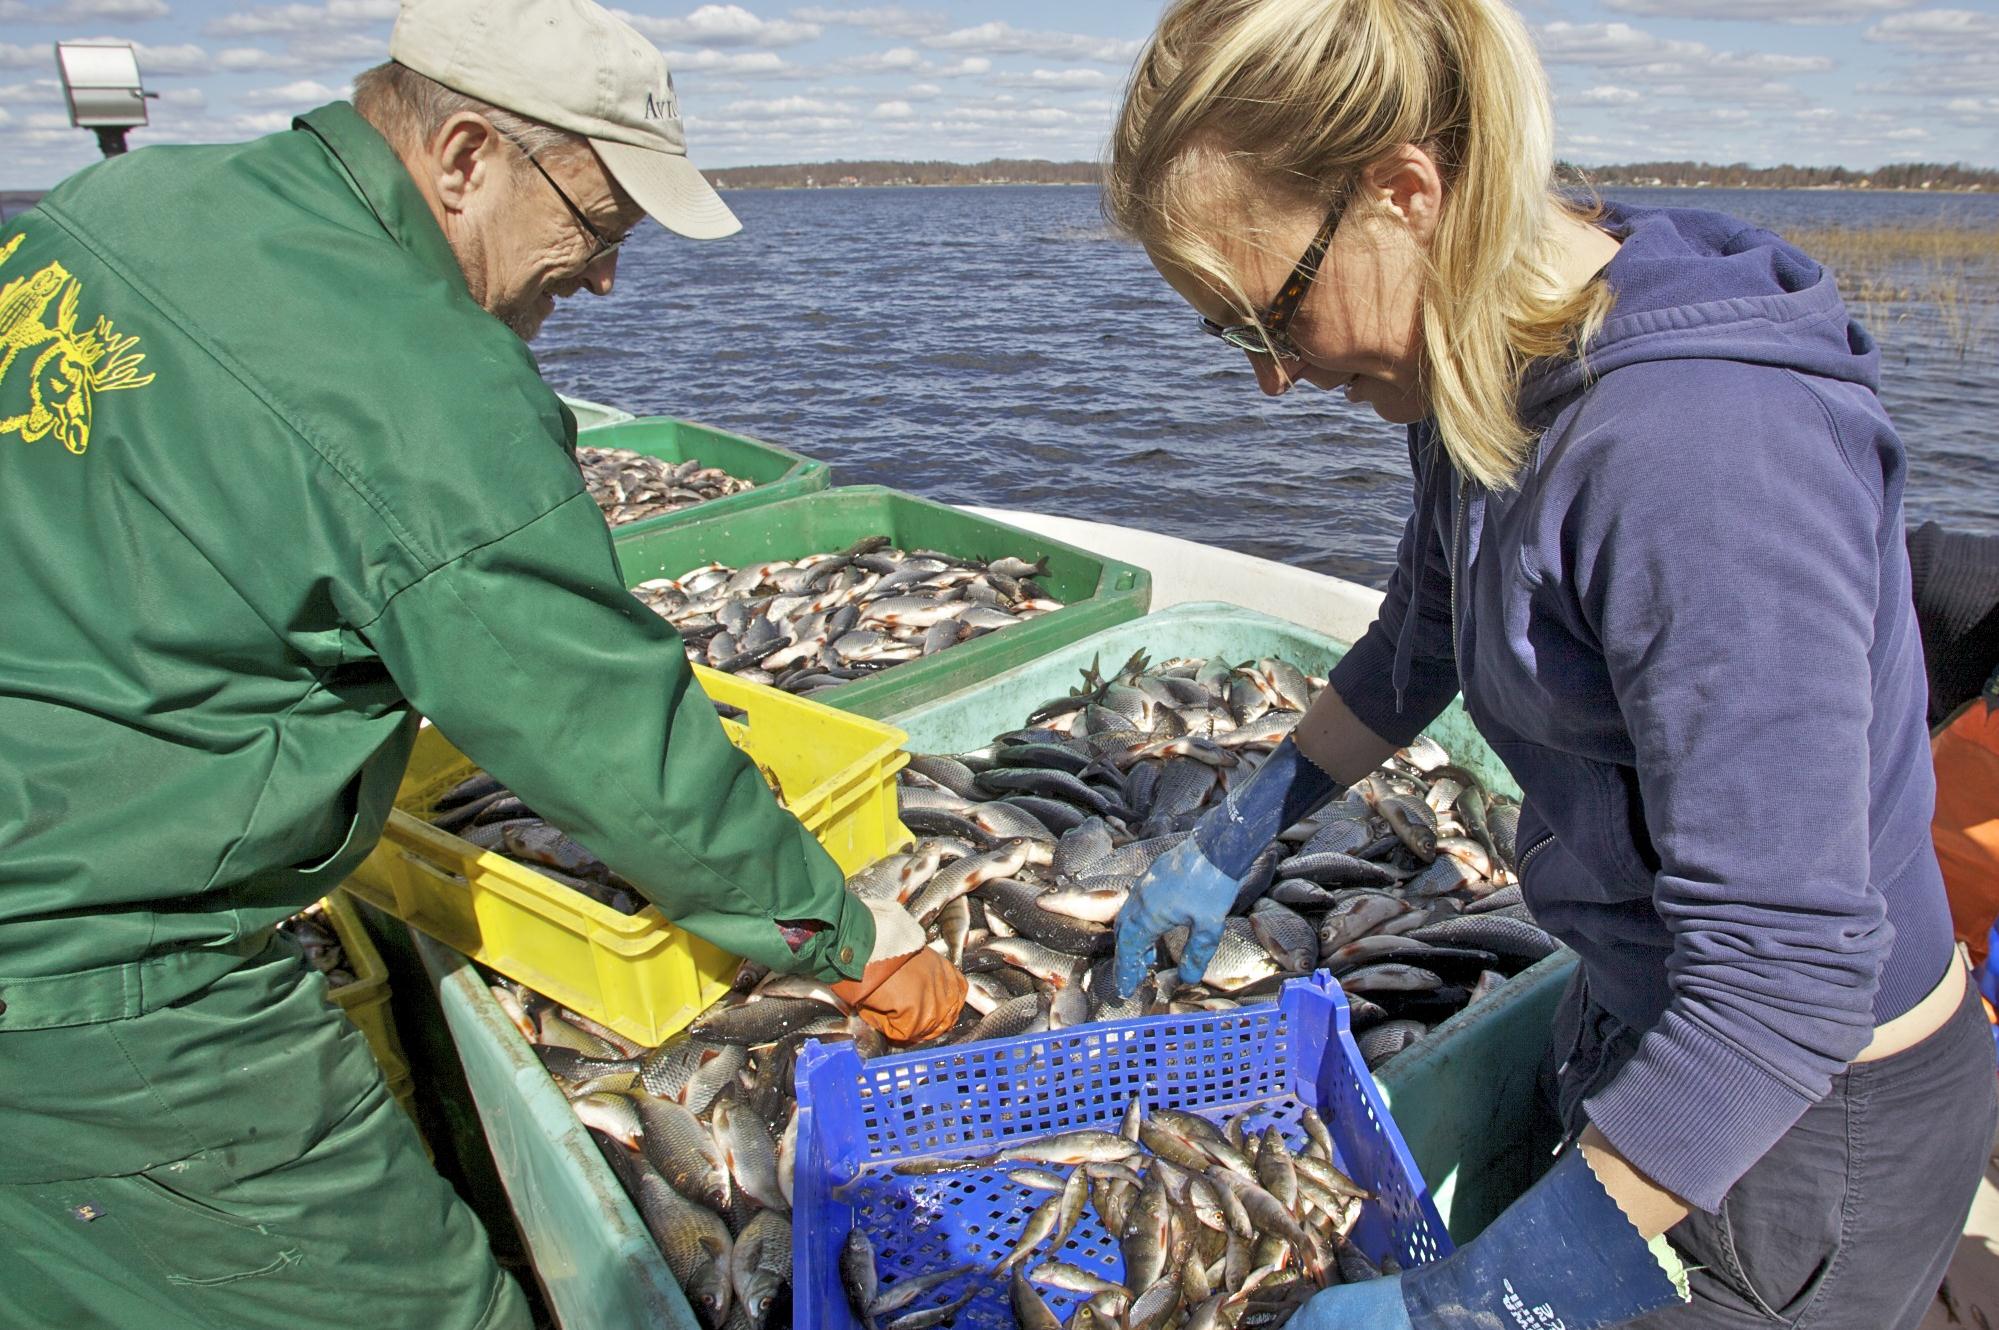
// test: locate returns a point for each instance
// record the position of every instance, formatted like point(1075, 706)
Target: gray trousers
point(1850, 1220)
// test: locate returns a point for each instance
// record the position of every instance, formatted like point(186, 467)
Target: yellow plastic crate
point(366, 1000)
point(637, 973)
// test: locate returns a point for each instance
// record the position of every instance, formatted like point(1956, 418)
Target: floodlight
point(101, 81)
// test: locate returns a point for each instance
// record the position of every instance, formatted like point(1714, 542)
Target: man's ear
point(464, 156)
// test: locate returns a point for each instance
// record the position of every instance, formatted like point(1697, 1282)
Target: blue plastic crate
point(971, 1099)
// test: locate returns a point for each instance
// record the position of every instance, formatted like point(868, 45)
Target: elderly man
point(277, 474)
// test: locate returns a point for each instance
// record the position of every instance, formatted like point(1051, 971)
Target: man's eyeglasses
point(602, 245)
point(1270, 330)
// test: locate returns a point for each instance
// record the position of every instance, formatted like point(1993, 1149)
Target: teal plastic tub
point(1468, 1102)
point(592, 415)
point(597, 1264)
point(1096, 592)
point(776, 473)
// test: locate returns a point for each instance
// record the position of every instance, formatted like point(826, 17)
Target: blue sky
point(1848, 82)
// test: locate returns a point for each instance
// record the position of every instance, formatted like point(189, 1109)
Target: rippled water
point(1001, 346)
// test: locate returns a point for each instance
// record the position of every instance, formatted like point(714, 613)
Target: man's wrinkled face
point(517, 232)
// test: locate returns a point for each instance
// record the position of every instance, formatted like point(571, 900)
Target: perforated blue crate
point(856, 1118)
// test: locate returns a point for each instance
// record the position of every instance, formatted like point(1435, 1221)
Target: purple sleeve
point(1364, 678)
point(1730, 568)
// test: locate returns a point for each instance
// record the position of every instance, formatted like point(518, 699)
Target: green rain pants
point(233, 1159)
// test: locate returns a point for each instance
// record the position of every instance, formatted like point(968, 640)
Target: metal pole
point(111, 138)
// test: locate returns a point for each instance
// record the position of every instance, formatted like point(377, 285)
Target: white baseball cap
point(575, 65)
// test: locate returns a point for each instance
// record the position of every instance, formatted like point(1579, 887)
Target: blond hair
point(1295, 98)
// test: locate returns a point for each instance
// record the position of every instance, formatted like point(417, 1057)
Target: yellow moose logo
point(65, 369)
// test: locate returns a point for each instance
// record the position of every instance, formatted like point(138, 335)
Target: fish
point(748, 1150)
point(857, 1274)
point(760, 1264)
point(766, 1021)
point(906, 1291)
point(683, 1150)
point(632, 486)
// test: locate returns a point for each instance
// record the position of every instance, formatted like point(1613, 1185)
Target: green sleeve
point(530, 655)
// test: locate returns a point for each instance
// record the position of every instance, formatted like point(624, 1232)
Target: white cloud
point(77, 11)
point(14, 11)
point(895, 111)
point(909, 60)
point(1604, 94)
point(886, 20)
point(294, 19)
point(192, 98)
point(179, 58)
point(302, 94)
point(922, 92)
point(34, 92)
point(1001, 38)
point(1060, 78)
point(1609, 45)
point(777, 107)
point(758, 63)
point(722, 25)
point(1943, 31)
point(1775, 11)
point(26, 57)
point(256, 60)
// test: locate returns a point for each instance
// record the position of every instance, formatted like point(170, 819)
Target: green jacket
point(271, 479)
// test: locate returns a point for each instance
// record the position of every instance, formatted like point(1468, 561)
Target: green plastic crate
point(1096, 592)
point(1465, 1098)
point(777, 473)
point(592, 415)
point(597, 1264)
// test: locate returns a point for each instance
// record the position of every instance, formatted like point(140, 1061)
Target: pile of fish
point(1404, 888)
point(701, 1133)
point(630, 486)
point(481, 810)
point(1028, 848)
point(826, 619)
point(1214, 1227)
point(312, 933)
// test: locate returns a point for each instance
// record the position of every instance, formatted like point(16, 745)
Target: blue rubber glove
point(1195, 883)
point(1181, 887)
point(1375, 1305)
point(1563, 1255)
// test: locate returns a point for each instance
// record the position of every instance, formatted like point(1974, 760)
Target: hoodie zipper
point(1457, 529)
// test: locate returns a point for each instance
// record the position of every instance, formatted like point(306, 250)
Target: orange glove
point(908, 992)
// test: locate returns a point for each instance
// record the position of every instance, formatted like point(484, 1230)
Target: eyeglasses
point(602, 245)
point(1269, 331)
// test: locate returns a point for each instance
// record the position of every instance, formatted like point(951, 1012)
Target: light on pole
point(101, 81)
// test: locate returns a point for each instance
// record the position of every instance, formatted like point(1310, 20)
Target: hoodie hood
point(1702, 285)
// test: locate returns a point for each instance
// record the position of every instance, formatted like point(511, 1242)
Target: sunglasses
point(602, 245)
point(1269, 332)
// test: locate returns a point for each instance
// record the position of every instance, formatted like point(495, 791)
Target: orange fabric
point(1966, 826)
point(910, 998)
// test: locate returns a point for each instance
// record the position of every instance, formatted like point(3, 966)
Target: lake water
point(1000, 346)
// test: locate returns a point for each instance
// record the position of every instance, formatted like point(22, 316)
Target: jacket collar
point(383, 183)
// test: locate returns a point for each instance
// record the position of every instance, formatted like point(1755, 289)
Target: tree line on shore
point(1000, 170)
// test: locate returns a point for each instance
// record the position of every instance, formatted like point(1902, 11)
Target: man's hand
point(908, 992)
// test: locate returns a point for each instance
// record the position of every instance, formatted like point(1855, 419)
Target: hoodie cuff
point(1692, 1113)
point(1365, 680)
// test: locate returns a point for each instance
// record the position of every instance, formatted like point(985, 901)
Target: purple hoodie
point(1688, 633)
